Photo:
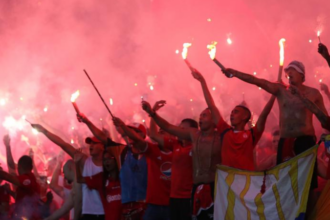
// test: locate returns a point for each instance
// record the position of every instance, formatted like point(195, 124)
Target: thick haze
point(128, 45)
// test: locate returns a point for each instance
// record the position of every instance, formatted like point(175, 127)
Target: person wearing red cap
point(90, 165)
point(296, 120)
point(133, 168)
point(159, 174)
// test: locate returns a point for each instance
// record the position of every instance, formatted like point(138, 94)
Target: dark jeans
point(157, 212)
point(92, 217)
point(180, 209)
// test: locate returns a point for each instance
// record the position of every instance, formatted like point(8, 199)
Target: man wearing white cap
point(296, 121)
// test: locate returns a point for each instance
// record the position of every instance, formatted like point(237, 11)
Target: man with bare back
point(296, 121)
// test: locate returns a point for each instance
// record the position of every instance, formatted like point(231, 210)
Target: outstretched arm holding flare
point(323, 50)
point(271, 87)
point(216, 116)
point(99, 134)
point(181, 133)
point(68, 148)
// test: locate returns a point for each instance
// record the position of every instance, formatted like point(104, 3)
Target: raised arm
point(264, 114)
point(99, 134)
point(154, 135)
point(68, 148)
point(323, 50)
point(216, 116)
point(77, 159)
point(162, 123)
point(153, 129)
point(10, 160)
point(35, 170)
point(59, 190)
point(141, 144)
point(270, 87)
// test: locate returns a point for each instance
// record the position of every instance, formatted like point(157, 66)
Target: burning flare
point(318, 33)
point(212, 47)
point(281, 43)
point(74, 96)
point(185, 50)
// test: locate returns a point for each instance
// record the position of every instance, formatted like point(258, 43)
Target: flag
point(239, 194)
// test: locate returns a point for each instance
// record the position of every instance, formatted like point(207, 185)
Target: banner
point(280, 193)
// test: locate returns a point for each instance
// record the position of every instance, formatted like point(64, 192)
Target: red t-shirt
point(182, 171)
point(111, 200)
point(159, 175)
point(237, 147)
point(27, 197)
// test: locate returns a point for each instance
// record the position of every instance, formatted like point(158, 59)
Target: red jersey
point(111, 198)
point(237, 147)
point(182, 170)
point(27, 197)
point(159, 175)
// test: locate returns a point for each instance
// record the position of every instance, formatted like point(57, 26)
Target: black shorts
point(300, 145)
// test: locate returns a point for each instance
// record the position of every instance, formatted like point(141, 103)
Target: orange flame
point(185, 50)
point(281, 43)
point(74, 96)
point(212, 47)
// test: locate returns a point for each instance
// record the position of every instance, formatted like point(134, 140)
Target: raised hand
point(81, 117)
point(324, 88)
point(118, 122)
point(323, 50)
point(197, 75)
point(39, 128)
point(229, 72)
point(146, 107)
point(6, 140)
point(158, 105)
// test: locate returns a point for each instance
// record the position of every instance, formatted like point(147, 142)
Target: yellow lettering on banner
point(293, 173)
point(230, 215)
point(243, 193)
point(278, 203)
point(260, 207)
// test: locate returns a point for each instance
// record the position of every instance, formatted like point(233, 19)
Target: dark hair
point(106, 173)
point(192, 123)
point(26, 162)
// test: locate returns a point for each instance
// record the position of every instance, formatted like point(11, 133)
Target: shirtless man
point(296, 121)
